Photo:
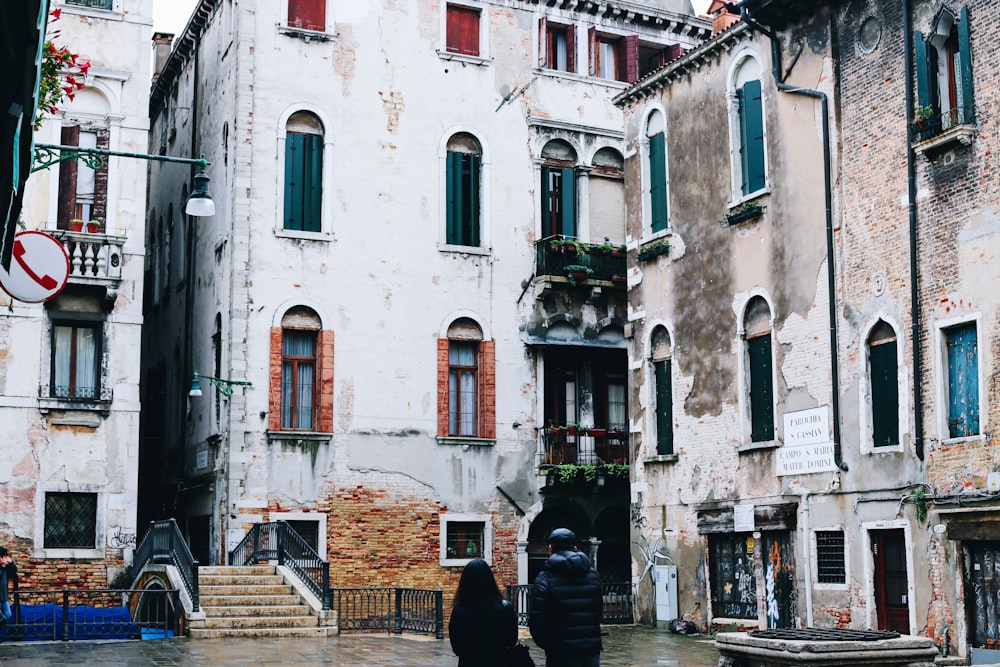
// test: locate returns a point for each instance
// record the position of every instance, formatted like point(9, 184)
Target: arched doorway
point(614, 561)
point(555, 515)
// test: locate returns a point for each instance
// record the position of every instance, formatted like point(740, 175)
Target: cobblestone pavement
point(623, 647)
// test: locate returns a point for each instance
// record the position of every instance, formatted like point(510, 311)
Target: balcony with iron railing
point(580, 445)
point(565, 257)
point(933, 128)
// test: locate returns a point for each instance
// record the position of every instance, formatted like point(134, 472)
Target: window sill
point(969, 439)
point(306, 34)
point(754, 446)
point(871, 450)
point(739, 200)
point(958, 134)
point(463, 249)
point(461, 562)
point(47, 403)
point(660, 458)
point(297, 437)
point(464, 58)
point(79, 553)
point(562, 74)
point(303, 236)
point(465, 441)
point(92, 11)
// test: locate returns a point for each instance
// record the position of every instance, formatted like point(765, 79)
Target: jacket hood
point(569, 563)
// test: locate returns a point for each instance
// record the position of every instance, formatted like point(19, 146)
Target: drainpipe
point(911, 202)
point(828, 195)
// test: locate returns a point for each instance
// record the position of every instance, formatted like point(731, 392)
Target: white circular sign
point(39, 268)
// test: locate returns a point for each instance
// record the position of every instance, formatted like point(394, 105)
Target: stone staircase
point(255, 601)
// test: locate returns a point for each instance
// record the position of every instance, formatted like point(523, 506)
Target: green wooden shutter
point(470, 225)
point(966, 104)
point(664, 408)
point(294, 180)
point(658, 181)
point(963, 381)
point(761, 390)
point(312, 196)
point(885, 394)
point(752, 136)
point(920, 62)
point(453, 180)
point(569, 202)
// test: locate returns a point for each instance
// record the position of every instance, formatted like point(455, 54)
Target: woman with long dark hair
point(483, 625)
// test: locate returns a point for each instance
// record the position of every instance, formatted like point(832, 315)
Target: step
point(261, 622)
point(250, 599)
point(270, 589)
point(237, 570)
point(224, 611)
point(216, 633)
point(239, 580)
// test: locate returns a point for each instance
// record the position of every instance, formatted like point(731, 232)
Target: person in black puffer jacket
point(483, 625)
point(565, 611)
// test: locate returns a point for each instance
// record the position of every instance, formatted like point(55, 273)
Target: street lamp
point(199, 204)
point(224, 386)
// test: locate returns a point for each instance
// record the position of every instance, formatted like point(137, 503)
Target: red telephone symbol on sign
point(46, 281)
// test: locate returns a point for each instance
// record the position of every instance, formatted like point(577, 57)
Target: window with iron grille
point(465, 539)
point(70, 520)
point(76, 350)
point(830, 566)
point(94, 4)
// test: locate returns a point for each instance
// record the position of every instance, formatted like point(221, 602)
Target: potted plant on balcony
point(76, 225)
point(93, 226)
point(578, 272)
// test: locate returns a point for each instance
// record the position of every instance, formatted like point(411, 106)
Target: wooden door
point(892, 608)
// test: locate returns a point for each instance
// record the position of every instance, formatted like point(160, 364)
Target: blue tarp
point(45, 621)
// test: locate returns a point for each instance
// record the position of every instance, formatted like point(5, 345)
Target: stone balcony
point(94, 259)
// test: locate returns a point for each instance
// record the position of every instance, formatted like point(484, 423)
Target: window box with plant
point(743, 213)
point(653, 249)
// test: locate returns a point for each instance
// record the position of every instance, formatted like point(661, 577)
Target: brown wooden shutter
point(628, 59)
point(592, 47)
point(570, 48)
point(307, 14)
point(100, 210)
point(442, 387)
point(543, 42)
point(462, 30)
point(66, 209)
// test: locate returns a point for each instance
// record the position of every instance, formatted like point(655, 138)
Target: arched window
point(303, 199)
point(466, 382)
point(658, 189)
point(464, 180)
point(558, 189)
point(663, 394)
point(883, 377)
point(759, 364)
point(944, 72)
point(747, 129)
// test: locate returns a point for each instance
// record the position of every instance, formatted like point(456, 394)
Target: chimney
point(724, 13)
point(162, 41)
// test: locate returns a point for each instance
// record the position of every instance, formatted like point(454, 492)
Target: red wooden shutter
point(543, 42)
point(66, 209)
point(308, 14)
point(462, 30)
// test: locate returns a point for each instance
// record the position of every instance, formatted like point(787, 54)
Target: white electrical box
point(665, 587)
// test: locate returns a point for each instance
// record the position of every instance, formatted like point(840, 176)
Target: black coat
point(565, 610)
point(481, 634)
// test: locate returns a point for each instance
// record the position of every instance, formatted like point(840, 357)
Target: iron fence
point(65, 614)
point(564, 256)
point(389, 610)
point(617, 609)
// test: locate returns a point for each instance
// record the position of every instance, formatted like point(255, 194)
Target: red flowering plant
point(62, 74)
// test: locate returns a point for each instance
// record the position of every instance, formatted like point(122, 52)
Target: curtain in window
point(75, 363)
point(63, 360)
point(298, 368)
point(616, 406)
point(86, 363)
point(462, 398)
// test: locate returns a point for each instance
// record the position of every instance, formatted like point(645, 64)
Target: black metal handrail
point(563, 256)
point(389, 610)
point(164, 543)
point(926, 126)
point(277, 540)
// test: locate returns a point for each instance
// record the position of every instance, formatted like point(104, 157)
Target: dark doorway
point(614, 562)
point(891, 598)
point(982, 574)
point(559, 516)
point(199, 528)
point(779, 579)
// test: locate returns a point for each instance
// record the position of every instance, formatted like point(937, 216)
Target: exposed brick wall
point(274, 393)
point(442, 387)
point(56, 573)
point(488, 390)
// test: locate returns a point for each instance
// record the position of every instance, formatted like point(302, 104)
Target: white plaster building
point(385, 174)
point(69, 368)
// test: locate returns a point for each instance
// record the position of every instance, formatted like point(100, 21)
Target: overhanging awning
point(22, 33)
